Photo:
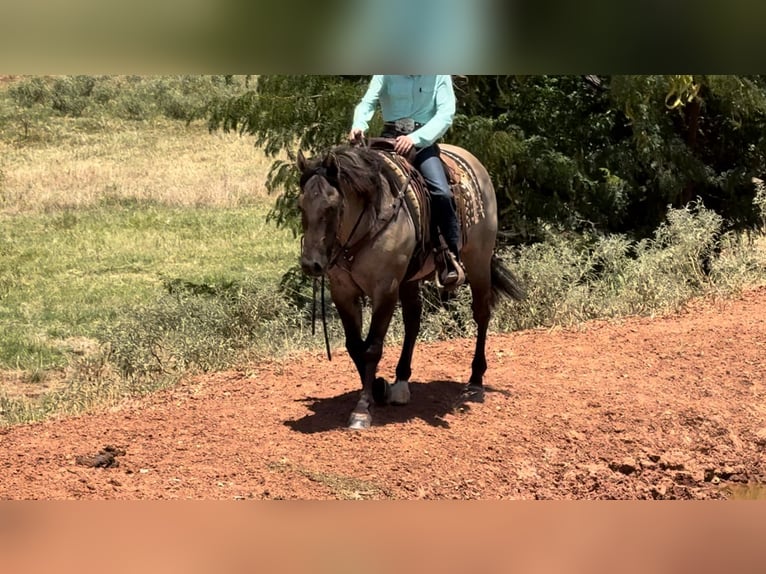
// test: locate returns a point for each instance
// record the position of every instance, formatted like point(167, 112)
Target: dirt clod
point(105, 458)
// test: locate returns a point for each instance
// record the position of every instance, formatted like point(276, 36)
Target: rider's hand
point(403, 145)
point(355, 135)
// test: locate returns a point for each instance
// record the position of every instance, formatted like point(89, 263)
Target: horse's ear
point(301, 161)
point(330, 163)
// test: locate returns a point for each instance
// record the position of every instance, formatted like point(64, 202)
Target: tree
point(286, 113)
point(597, 153)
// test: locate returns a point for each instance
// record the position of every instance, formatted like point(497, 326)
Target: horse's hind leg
point(412, 307)
point(480, 279)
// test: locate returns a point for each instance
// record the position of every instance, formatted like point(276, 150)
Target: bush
point(570, 279)
point(186, 98)
point(70, 96)
point(201, 326)
point(30, 92)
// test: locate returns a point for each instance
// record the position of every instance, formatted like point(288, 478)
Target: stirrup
point(452, 275)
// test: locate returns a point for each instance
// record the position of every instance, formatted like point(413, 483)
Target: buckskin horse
point(365, 221)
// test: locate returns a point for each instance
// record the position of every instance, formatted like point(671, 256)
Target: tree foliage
point(286, 113)
point(596, 153)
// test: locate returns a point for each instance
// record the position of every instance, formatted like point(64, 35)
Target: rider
point(417, 111)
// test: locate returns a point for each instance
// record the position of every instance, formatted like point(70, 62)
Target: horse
point(361, 232)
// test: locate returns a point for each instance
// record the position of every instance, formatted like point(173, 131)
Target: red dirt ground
point(668, 407)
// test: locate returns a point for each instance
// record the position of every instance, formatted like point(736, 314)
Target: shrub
point(572, 279)
point(30, 92)
point(72, 94)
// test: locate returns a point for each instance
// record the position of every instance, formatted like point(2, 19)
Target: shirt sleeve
point(365, 109)
point(438, 125)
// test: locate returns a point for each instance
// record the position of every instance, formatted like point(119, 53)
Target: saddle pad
point(415, 194)
point(465, 188)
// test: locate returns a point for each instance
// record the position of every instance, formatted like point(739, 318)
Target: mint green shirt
point(429, 100)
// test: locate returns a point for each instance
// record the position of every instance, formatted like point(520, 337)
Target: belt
point(392, 127)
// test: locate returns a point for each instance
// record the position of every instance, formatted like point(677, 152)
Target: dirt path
point(671, 407)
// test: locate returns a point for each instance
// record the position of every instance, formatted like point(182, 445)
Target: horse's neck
point(355, 218)
point(359, 214)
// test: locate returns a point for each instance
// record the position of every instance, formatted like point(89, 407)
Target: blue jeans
point(443, 213)
point(428, 163)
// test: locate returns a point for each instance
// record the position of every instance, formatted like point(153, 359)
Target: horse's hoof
point(360, 421)
point(399, 393)
point(472, 394)
point(380, 391)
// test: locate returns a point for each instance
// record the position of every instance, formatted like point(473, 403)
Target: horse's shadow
point(430, 402)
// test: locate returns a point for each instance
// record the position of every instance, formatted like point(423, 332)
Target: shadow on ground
point(430, 402)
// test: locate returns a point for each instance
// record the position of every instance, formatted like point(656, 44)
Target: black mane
point(354, 170)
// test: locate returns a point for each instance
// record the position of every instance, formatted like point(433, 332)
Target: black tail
point(504, 283)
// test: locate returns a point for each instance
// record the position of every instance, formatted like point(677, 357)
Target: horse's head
point(321, 204)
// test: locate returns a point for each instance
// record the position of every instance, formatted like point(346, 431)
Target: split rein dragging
point(324, 316)
point(344, 249)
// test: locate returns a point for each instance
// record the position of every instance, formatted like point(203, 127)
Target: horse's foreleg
point(350, 313)
point(412, 307)
point(381, 319)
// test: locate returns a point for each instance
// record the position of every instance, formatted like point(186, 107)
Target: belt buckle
point(405, 125)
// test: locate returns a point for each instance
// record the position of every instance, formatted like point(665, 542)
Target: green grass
point(110, 221)
point(67, 274)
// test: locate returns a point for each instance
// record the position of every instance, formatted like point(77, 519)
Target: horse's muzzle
point(312, 267)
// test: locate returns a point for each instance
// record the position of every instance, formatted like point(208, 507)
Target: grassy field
point(95, 223)
point(69, 273)
point(74, 165)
